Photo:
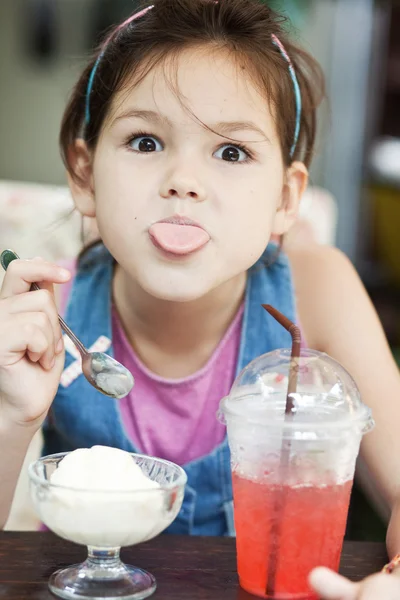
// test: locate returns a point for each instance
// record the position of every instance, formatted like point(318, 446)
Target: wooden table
point(186, 568)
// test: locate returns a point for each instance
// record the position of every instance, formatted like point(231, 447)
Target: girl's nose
point(182, 183)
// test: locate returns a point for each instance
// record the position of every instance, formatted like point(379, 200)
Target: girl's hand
point(31, 346)
point(331, 586)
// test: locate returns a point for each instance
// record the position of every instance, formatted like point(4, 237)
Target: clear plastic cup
point(292, 475)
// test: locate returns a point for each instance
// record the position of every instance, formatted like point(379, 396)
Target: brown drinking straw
point(285, 451)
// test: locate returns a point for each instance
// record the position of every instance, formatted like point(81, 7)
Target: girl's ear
point(292, 192)
point(80, 178)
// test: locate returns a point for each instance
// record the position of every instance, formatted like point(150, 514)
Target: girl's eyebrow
point(227, 127)
point(223, 128)
point(145, 115)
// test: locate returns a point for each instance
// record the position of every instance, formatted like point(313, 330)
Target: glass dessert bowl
point(70, 502)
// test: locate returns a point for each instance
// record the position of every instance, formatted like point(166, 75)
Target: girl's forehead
point(206, 86)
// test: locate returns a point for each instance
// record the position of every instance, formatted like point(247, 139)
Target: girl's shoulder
point(329, 293)
point(315, 259)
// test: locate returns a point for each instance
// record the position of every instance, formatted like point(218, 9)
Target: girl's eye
point(231, 153)
point(145, 143)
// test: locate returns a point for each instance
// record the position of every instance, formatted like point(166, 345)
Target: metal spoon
point(102, 372)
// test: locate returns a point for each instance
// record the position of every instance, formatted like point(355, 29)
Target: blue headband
point(89, 88)
point(297, 92)
point(275, 41)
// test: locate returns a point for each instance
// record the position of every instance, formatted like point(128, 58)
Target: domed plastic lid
point(326, 395)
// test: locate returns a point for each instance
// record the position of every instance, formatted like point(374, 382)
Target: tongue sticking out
point(178, 239)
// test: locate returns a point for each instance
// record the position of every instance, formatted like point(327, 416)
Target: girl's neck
point(175, 339)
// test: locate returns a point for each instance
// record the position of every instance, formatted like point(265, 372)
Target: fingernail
point(53, 362)
point(60, 346)
point(63, 273)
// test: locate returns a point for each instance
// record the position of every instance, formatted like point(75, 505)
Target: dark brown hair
point(241, 27)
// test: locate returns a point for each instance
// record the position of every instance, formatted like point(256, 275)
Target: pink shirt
point(176, 418)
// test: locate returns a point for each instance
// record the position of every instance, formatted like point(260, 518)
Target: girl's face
point(156, 161)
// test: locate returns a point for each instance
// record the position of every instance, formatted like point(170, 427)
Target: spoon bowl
point(107, 375)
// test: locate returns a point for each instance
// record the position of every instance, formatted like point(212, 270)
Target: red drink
point(312, 527)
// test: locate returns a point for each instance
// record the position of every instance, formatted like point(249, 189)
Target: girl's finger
point(331, 586)
point(22, 273)
point(37, 301)
point(29, 333)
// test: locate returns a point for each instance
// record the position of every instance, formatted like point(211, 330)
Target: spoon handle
point(6, 257)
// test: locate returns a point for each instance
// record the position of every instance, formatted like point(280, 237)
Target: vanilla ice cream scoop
point(103, 469)
point(101, 497)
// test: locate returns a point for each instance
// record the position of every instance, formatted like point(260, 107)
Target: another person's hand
point(331, 586)
point(31, 347)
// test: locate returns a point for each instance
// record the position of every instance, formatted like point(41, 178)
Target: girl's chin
point(176, 289)
point(174, 295)
point(172, 283)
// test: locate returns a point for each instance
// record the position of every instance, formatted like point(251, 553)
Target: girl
point(189, 138)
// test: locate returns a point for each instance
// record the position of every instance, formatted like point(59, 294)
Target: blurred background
point(354, 198)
